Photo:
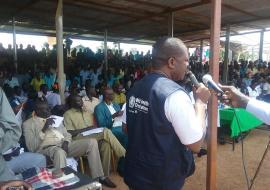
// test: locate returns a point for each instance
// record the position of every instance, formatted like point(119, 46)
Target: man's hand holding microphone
point(233, 97)
point(201, 92)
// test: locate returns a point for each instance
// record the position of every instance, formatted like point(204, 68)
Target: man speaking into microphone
point(164, 127)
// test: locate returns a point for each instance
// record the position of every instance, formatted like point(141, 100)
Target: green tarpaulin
point(246, 120)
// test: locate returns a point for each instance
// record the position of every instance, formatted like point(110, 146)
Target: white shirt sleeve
point(260, 109)
point(181, 113)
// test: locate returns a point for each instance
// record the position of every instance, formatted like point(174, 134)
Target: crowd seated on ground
point(94, 99)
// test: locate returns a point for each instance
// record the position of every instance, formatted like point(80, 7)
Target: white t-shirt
point(252, 93)
point(260, 109)
point(53, 99)
point(13, 82)
point(180, 112)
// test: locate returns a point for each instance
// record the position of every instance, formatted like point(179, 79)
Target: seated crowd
point(32, 106)
point(80, 114)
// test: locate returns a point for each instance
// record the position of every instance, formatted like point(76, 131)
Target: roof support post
point(261, 45)
point(201, 51)
point(226, 55)
point(212, 104)
point(14, 45)
point(106, 53)
point(170, 24)
point(60, 57)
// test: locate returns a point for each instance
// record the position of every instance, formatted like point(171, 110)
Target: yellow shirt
point(89, 105)
point(36, 83)
point(119, 98)
point(76, 119)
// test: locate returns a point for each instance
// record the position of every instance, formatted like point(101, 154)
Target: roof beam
point(225, 24)
point(68, 27)
point(148, 3)
point(143, 12)
point(252, 26)
point(26, 6)
point(208, 37)
point(114, 7)
point(196, 4)
point(87, 3)
point(240, 10)
point(207, 18)
point(20, 9)
point(109, 8)
point(70, 23)
point(101, 7)
point(189, 23)
point(68, 15)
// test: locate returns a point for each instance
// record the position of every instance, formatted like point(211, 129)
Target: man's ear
point(171, 62)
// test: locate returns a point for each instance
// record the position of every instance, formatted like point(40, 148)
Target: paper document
point(118, 120)
point(123, 107)
point(92, 131)
point(18, 116)
point(57, 120)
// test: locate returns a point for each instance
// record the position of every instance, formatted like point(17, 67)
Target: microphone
point(207, 80)
point(193, 79)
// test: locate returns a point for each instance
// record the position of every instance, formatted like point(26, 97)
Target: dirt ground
point(230, 173)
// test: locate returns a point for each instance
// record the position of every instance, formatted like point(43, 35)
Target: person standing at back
point(164, 127)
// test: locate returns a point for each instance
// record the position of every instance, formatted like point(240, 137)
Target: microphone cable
point(242, 151)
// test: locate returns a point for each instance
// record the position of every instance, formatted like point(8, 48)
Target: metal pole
point(60, 57)
point(261, 45)
point(201, 51)
point(226, 56)
point(260, 165)
point(212, 106)
point(14, 45)
point(170, 24)
point(106, 53)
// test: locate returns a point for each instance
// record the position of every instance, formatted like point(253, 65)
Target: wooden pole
point(106, 53)
point(212, 105)
point(226, 56)
point(60, 57)
point(201, 51)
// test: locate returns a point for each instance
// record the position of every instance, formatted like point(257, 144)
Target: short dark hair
point(105, 89)
point(42, 86)
point(72, 99)
point(39, 102)
point(165, 48)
